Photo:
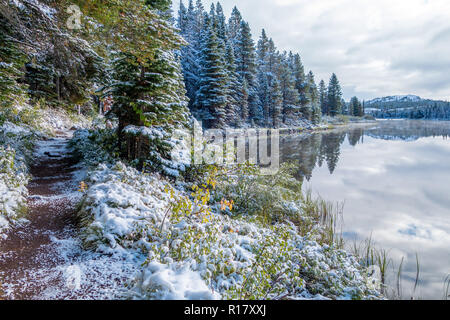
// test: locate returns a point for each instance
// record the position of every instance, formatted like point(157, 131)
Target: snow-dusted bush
point(16, 148)
point(95, 146)
point(195, 252)
point(13, 179)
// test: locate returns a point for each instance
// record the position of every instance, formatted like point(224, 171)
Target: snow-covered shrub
point(95, 146)
point(255, 194)
point(118, 204)
point(16, 148)
point(190, 257)
point(13, 179)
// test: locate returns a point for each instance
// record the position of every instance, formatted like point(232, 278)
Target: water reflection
point(394, 178)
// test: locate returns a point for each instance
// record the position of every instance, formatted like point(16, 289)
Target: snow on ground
point(221, 258)
point(62, 268)
point(17, 142)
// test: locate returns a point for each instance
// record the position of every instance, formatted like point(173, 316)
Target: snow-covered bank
point(194, 251)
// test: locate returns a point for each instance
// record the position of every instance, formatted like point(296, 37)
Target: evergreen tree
point(212, 17)
point(52, 63)
point(212, 93)
point(243, 102)
point(221, 26)
point(147, 87)
point(334, 96)
point(355, 107)
point(323, 97)
point(264, 76)
point(300, 79)
point(188, 23)
point(234, 27)
point(314, 112)
point(275, 102)
point(12, 60)
point(182, 22)
point(291, 99)
point(311, 96)
point(246, 67)
point(234, 88)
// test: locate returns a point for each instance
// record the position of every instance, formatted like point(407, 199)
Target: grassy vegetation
point(370, 255)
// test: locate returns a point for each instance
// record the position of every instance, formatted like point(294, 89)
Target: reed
point(328, 215)
point(446, 295)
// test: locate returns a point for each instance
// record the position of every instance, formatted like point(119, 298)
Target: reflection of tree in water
point(331, 148)
point(356, 136)
point(409, 130)
point(313, 149)
point(308, 156)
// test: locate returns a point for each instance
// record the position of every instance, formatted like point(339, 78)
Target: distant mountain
point(408, 107)
point(405, 98)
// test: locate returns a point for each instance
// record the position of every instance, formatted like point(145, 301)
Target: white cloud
point(376, 48)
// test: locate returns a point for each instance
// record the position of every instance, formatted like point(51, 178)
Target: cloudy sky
point(376, 47)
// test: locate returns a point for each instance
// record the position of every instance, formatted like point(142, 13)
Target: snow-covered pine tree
point(311, 96)
point(147, 87)
point(291, 110)
point(300, 78)
point(246, 67)
point(182, 22)
point(212, 93)
point(221, 25)
point(59, 66)
point(234, 26)
point(275, 102)
point(234, 88)
point(212, 17)
point(323, 97)
point(264, 76)
point(334, 96)
point(313, 99)
point(199, 13)
point(243, 102)
point(188, 24)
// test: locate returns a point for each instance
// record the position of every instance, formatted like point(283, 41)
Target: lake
point(394, 177)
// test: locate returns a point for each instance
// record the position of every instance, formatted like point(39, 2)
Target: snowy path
point(44, 259)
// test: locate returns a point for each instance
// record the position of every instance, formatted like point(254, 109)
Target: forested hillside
point(409, 107)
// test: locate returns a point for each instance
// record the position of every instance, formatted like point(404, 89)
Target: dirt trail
point(44, 259)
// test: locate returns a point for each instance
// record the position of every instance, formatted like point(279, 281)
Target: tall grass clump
point(390, 274)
